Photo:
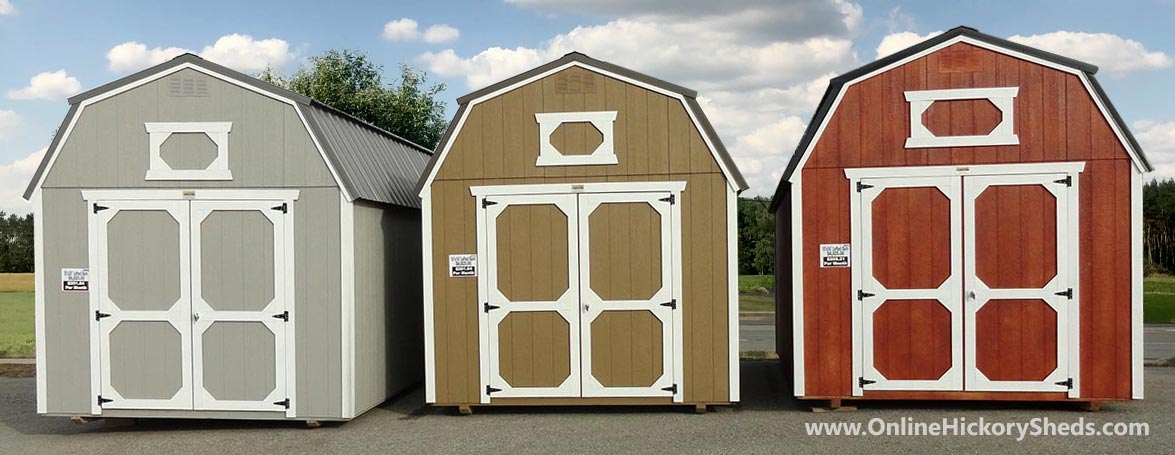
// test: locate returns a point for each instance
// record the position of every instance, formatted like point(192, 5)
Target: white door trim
point(1067, 276)
point(490, 296)
point(178, 315)
point(949, 293)
point(1067, 167)
point(592, 305)
point(200, 210)
point(193, 194)
point(576, 188)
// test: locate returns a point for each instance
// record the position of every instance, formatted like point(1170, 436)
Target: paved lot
point(768, 421)
point(1158, 342)
point(757, 333)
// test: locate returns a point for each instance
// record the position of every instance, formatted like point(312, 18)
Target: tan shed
point(579, 245)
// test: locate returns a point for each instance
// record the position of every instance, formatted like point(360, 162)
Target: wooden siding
point(1056, 120)
point(655, 140)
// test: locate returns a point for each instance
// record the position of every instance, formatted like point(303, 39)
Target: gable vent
point(187, 86)
point(575, 82)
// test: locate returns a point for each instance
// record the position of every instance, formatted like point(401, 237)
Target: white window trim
point(551, 121)
point(159, 132)
point(1002, 98)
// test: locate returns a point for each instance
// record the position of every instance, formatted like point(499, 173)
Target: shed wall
point(1056, 120)
point(655, 140)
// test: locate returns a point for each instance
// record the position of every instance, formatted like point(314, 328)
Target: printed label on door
point(462, 265)
point(834, 255)
point(75, 280)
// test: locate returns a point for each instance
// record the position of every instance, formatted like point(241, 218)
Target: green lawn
point(1158, 299)
point(749, 283)
point(16, 324)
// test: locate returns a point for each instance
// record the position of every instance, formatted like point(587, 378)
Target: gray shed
point(209, 245)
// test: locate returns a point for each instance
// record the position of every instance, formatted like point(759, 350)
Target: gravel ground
point(768, 421)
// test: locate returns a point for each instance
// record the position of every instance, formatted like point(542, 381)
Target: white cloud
point(56, 85)
point(240, 52)
point(894, 42)
point(405, 29)
point(1158, 142)
point(7, 8)
point(14, 178)
point(1113, 54)
point(9, 120)
point(760, 66)
point(441, 33)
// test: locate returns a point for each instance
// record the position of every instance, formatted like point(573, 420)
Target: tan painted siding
point(655, 140)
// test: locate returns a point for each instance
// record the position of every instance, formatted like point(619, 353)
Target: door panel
point(627, 294)
point(239, 308)
point(1019, 288)
point(144, 304)
point(530, 255)
point(907, 267)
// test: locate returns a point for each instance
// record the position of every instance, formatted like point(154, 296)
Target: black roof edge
point(198, 61)
point(582, 58)
point(837, 83)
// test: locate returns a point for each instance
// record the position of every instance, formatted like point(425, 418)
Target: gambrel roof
point(838, 85)
point(367, 162)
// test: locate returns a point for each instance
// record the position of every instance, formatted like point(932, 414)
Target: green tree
point(16, 243)
point(348, 81)
point(756, 237)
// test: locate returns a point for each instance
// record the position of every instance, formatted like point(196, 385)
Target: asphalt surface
point(768, 421)
point(1158, 342)
point(756, 333)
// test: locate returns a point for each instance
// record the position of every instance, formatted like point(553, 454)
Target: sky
point(760, 66)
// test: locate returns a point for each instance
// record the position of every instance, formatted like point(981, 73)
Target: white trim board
point(797, 279)
point(56, 152)
point(1068, 167)
point(347, 310)
point(1136, 290)
point(1134, 156)
point(195, 195)
point(39, 301)
point(572, 188)
point(677, 96)
point(732, 296)
point(430, 362)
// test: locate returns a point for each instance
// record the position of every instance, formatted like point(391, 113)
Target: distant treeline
point(16, 243)
point(1158, 204)
point(756, 237)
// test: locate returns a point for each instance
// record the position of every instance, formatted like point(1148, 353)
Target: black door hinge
point(284, 208)
point(491, 390)
point(98, 315)
point(102, 401)
point(285, 316)
point(672, 304)
point(671, 389)
point(99, 208)
point(1068, 293)
point(672, 199)
point(1068, 383)
point(1068, 180)
point(486, 203)
point(862, 382)
point(284, 403)
point(863, 186)
point(487, 307)
point(861, 295)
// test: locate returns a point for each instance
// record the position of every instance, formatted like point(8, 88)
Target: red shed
point(963, 220)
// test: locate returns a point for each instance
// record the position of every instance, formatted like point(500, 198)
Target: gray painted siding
point(67, 314)
point(268, 146)
point(389, 351)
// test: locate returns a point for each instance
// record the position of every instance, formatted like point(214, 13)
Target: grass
point(16, 282)
point(1158, 297)
point(16, 324)
point(750, 283)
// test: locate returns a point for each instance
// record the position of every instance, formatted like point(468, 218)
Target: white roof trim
point(56, 152)
point(681, 98)
point(1134, 157)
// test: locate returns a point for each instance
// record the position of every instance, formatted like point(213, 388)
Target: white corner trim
point(797, 280)
point(347, 258)
point(1067, 167)
point(448, 144)
point(56, 152)
point(430, 362)
point(732, 292)
point(807, 153)
point(1136, 290)
point(159, 132)
point(561, 188)
point(1002, 98)
point(551, 156)
point(39, 279)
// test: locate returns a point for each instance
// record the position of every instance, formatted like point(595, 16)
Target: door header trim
point(191, 194)
point(1070, 167)
point(575, 188)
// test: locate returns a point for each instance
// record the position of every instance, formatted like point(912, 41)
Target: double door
point(191, 306)
point(965, 282)
point(577, 296)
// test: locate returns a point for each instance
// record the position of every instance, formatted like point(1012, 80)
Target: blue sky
point(760, 65)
